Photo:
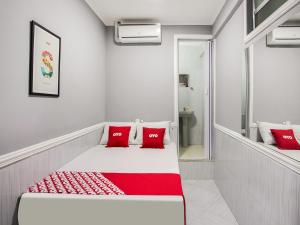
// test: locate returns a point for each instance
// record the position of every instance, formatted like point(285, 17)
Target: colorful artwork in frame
point(44, 78)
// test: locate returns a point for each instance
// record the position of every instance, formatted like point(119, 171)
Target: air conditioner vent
point(137, 32)
point(284, 36)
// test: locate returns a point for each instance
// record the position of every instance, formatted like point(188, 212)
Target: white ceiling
point(167, 12)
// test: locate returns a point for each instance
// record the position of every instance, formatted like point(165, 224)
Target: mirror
point(271, 89)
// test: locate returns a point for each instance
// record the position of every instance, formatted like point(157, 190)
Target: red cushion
point(118, 136)
point(153, 137)
point(285, 139)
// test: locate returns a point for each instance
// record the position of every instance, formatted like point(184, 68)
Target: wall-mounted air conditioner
point(284, 36)
point(132, 32)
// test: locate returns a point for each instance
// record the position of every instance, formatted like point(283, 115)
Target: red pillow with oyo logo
point(153, 137)
point(118, 136)
point(285, 139)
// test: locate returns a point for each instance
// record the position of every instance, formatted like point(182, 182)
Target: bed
point(256, 135)
point(49, 209)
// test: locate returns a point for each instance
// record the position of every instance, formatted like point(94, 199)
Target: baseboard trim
point(24, 153)
point(283, 160)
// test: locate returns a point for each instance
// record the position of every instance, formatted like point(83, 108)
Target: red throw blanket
point(96, 183)
point(147, 183)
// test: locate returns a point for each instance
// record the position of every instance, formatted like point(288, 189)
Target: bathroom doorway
point(192, 84)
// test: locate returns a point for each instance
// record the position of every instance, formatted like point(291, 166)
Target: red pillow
point(153, 137)
point(118, 136)
point(285, 139)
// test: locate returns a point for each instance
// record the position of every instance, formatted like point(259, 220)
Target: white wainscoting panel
point(196, 170)
point(258, 189)
point(18, 176)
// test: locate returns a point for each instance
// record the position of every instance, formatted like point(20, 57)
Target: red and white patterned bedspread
point(88, 183)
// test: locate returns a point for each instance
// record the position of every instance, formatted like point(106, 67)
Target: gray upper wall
point(140, 78)
point(28, 120)
point(276, 82)
point(229, 70)
point(227, 11)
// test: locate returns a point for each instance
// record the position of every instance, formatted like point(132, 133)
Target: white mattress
point(127, 160)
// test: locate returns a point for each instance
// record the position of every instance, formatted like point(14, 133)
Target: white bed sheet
point(127, 160)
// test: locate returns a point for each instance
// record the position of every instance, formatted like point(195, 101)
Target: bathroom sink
point(185, 115)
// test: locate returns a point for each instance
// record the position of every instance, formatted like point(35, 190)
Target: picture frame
point(44, 68)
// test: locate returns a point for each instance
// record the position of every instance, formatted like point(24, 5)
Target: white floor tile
point(192, 152)
point(205, 205)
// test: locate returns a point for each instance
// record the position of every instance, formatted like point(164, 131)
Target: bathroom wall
point(25, 120)
point(276, 83)
point(191, 62)
point(140, 78)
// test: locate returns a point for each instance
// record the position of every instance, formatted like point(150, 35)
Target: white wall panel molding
point(24, 153)
point(258, 190)
point(283, 160)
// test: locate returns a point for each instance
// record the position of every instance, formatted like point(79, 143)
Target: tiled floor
point(192, 152)
point(205, 205)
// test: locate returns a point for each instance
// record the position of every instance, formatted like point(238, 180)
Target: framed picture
point(44, 74)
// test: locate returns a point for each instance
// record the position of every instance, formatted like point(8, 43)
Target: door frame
point(199, 37)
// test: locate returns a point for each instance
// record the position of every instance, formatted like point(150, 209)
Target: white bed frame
point(95, 210)
point(68, 209)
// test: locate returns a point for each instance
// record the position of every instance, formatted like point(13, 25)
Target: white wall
point(25, 120)
point(140, 78)
point(191, 62)
point(227, 11)
point(229, 70)
point(276, 83)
